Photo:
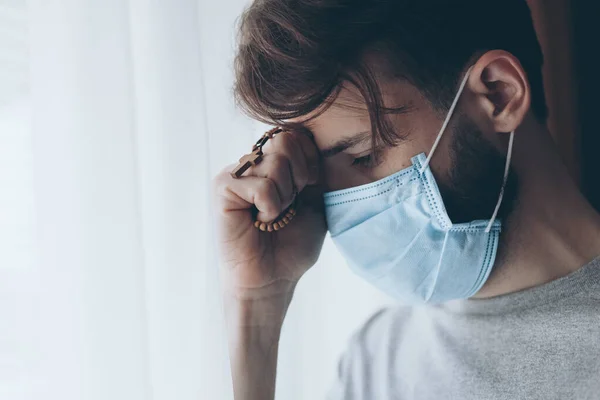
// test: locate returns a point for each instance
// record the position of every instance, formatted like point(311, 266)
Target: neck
point(553, 229)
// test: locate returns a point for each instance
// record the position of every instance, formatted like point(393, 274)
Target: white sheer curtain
point(114, 116)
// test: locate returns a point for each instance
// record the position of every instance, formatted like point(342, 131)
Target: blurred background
point(114, 116)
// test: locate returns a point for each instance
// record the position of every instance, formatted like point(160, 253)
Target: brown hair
point(295, 55)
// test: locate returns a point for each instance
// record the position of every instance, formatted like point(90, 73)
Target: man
point(414, 131)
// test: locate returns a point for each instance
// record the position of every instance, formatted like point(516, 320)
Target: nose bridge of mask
point(439, 138)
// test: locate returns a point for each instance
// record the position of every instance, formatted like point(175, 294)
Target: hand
point(258, 264)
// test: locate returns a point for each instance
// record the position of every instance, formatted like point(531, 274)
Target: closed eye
point(369, 160)
point(362, 161)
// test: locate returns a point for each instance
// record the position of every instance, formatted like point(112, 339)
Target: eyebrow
point(361, 137)
point(346, 143)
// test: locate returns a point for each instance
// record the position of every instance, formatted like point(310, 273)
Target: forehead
point(349, 115)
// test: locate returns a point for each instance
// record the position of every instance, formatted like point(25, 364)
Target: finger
point(277, 167)
point(306, 142)
point(247, 192)
point(287, 145)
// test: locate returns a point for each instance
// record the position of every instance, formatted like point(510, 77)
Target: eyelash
point(367, 161)
point(362, 161)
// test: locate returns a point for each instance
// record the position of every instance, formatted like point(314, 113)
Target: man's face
point(467, 167)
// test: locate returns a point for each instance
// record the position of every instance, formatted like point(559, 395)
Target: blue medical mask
point(396, 234)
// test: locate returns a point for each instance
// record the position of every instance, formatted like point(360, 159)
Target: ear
point(501, 90)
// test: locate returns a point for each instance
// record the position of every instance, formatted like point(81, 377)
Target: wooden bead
point(279, 223)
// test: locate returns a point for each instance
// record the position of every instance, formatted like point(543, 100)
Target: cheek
point(340, 174)
point(396, 159)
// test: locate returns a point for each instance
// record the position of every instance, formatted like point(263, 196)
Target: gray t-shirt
point(540, 343)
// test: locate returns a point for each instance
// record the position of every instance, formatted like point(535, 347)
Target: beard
point(475, 180)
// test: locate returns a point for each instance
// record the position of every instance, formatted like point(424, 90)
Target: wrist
point(274, 291)
point(257, 309)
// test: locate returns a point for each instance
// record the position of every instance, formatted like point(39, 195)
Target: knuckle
point(264, 187)
point(289, 142)
point(301, 137)
point(285, 143)
point(267, 190)
point(279, 162)
point(279, 175)
point(267, 197)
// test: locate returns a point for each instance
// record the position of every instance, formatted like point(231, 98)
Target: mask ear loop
point(447, 121)
point(506, 171)
point(439, 138)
